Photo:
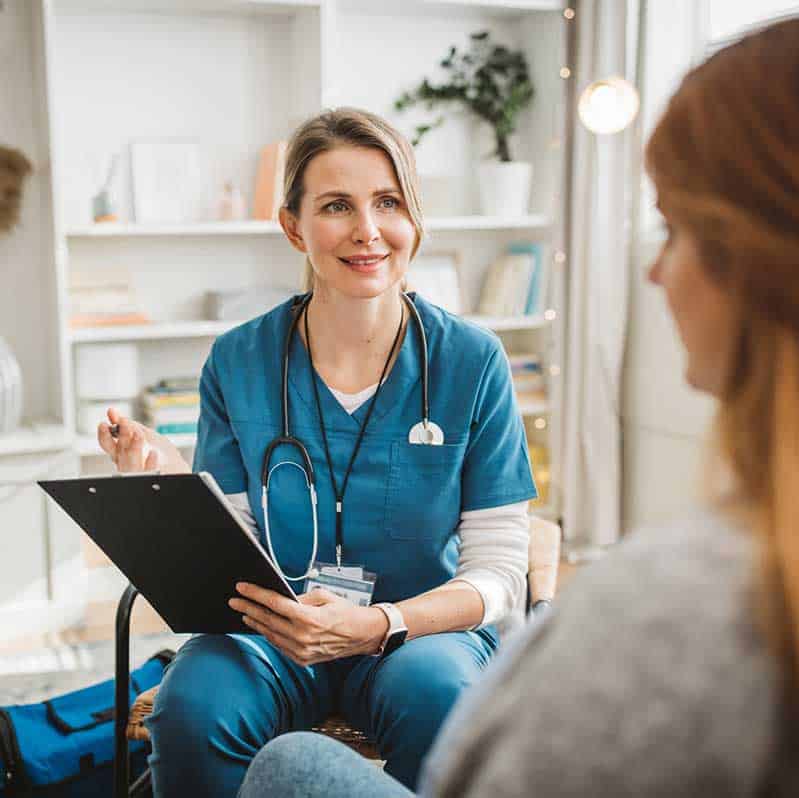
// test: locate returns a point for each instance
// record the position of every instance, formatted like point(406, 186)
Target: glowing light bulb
point(608, 105)
point(540, 423)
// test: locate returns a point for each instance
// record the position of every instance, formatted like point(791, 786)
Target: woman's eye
point(337, 206)
point(389, 202)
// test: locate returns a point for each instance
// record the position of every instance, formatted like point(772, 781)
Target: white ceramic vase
point(504, 187)
point(10, 390)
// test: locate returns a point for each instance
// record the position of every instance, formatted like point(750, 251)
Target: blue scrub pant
point(220, 702)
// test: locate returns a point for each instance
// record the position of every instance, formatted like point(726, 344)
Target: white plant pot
point(505, 188)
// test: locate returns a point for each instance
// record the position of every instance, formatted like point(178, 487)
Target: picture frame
point(167, 180)
point(436, 277)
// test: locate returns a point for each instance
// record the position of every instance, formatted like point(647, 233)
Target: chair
point(544, 556)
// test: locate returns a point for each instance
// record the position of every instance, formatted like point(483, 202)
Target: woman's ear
point(289, 223)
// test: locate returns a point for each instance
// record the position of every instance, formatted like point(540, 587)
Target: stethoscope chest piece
point(429, 434)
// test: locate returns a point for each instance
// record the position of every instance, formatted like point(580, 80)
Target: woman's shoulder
point(452, 332)
point(256, 333)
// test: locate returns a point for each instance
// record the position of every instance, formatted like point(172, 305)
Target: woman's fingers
point(265, 617)
point(300, 654)
point(151, 463)
point(106, 440)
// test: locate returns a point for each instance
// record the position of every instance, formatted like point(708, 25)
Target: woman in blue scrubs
point(443, 527)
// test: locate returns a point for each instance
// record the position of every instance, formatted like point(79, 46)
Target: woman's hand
point(138, 448)
point(321, 627)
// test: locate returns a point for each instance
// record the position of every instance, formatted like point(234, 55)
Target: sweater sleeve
point(493, 558)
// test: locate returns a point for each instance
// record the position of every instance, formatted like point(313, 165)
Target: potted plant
point(493, 83)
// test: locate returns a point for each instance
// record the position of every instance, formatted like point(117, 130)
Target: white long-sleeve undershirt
point(493, 550)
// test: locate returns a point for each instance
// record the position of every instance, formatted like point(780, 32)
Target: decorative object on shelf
point(493, 82)
point(103, 298)
point(14, 168)
point(232, 205)
point(268, 195)
point(435, 275)
point(167, 180)
point(107, 372)
point(102, 205)
point(246, 303)
point(608, 105)
point(10, 390)
point(515, 283)
point(172, 406)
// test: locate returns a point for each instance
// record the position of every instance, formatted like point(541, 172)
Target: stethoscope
point(424, 432)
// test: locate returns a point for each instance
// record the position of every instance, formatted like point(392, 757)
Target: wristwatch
point(397, 631)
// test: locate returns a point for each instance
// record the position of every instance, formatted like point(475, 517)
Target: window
point(728, 19)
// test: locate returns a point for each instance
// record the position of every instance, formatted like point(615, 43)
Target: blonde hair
point(725, 161)
point(355, 128)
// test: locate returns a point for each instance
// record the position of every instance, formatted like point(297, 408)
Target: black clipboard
point(178, 541)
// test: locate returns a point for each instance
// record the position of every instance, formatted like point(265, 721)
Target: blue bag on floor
point(64, 748)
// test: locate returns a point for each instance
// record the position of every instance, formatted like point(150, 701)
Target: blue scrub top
point(403, 501)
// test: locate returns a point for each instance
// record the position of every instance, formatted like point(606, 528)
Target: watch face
point(395, 641)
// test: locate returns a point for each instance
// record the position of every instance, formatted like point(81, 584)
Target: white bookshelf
point(36, 438)
point(236, 75)
point(530, 222)
point(162, 331)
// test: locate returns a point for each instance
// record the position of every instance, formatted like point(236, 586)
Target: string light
point(540, 423)
point(554, 370)
point(565, 72)
point(550, 315)
point(560, 257)
point(608, 105)
point(568, 13)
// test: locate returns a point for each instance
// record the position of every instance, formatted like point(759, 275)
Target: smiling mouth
point(364, 263)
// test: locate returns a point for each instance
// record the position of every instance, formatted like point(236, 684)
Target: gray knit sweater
point(650, 679)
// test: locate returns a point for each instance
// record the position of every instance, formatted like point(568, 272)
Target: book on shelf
point(176, 429)
point(516, 282)
point(103, 298)
point(527, 373)
point(268, 195)
point(172, 406)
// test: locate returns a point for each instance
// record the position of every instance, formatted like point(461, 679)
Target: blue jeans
point(307, 765)
point(221, 701)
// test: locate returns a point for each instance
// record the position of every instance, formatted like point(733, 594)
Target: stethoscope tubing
point(288, 439)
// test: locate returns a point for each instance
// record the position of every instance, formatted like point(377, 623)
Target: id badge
point(350, 582)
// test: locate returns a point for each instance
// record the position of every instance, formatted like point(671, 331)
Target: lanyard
point(340, 494)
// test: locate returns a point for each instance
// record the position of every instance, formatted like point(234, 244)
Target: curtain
point(596, 292)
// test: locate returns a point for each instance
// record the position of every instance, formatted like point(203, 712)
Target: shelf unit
point(235, 75)
point(258, 228)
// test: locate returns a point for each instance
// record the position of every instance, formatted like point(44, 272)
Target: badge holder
point(349, 582)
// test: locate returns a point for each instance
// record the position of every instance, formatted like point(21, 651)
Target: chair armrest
point(544, 559)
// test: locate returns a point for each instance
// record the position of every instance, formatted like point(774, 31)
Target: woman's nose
point(365, 231)
point(653, 273)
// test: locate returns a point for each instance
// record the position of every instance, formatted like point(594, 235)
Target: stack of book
point(172, 406)
point(103, 298)
point(528, 376)
point(516, 283)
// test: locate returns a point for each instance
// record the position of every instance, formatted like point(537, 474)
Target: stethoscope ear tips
point(429, 434)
